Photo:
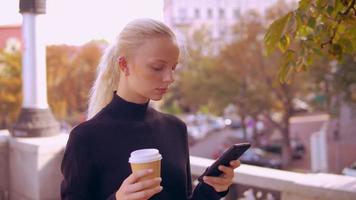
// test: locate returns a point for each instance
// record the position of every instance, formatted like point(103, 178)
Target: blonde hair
point(108, 73)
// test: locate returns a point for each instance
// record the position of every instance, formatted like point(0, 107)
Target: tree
point(59, 64)
point(245, 67)
point(10, 87)
point(260, 94)
point(71, 71)
point(345, 78)
point(199, 76)
point(332, 82)
point(317, 28)
point(241, 75)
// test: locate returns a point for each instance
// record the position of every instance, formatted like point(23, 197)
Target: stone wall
point(4, 164)
point(30, 167)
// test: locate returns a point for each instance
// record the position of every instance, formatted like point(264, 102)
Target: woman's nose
point(169, 76)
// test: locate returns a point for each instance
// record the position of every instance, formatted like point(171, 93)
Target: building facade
point(10, 37)
point(217, 16)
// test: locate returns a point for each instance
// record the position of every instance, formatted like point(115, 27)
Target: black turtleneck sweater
point(95, 161)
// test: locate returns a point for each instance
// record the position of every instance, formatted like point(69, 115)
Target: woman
point(138, 68)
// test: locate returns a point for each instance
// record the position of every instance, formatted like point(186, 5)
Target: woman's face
point(151, 69)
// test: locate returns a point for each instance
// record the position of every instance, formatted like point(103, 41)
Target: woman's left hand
point(222, 183)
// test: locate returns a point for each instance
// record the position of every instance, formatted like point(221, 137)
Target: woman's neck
point(128, 95)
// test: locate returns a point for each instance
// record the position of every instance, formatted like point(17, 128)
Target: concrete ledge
point(292, 185)
point(4, 163)
point(35, 167)
point(39, 144)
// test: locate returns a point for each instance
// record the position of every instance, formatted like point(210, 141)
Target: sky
point(79, 21)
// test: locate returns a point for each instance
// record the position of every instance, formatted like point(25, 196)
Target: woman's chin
point(156, 97)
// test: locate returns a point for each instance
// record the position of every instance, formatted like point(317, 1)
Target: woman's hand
point(133, 189)
point(222, 183)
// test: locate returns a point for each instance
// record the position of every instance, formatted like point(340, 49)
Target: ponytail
point(106, 81)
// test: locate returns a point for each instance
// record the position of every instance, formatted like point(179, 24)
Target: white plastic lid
point(144, 156)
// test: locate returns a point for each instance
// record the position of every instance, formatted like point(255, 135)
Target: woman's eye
point(157, 68)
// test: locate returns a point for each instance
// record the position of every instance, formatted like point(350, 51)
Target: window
point(237, 13)
point(210, 13)
point(197, 13)
point(221, 13)
point(222, 32)
point(182, 13)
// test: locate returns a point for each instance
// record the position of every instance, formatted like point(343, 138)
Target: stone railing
point(288, 185)
point(4, 166)
point(40, 177)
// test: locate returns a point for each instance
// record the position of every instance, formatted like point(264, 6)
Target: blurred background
point(278, 74)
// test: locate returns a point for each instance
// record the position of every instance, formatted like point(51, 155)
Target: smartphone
point(233, 153)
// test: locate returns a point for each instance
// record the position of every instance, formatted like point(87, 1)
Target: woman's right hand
point(133, 189)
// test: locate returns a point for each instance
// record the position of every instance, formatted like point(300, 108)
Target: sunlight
point(77, 22)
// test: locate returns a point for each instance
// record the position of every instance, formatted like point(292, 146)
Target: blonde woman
point(137, 68)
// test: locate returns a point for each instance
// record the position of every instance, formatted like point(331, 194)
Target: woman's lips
point(162, 90)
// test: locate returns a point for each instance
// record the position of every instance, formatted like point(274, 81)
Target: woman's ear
point(123, 65)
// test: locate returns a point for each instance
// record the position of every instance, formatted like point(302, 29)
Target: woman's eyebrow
point(163, 61)
point(160, 60)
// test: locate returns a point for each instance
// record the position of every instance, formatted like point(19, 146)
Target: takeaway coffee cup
point(146, 159)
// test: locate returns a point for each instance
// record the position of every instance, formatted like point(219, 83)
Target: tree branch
point(351, 6)
point(268, 79)
point(343, 14)
point(274, 123)
point(330, 41)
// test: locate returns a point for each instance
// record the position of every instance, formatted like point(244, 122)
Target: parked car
point(298, 149)
point(216, 123)
point(195, 132)
point(350, 171)
point(233, 123)
point(200, 125)
point(259, 157)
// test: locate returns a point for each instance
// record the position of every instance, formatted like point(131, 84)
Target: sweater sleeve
point(76, 168)
point(202, 190)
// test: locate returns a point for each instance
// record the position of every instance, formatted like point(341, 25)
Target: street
point(212, 143)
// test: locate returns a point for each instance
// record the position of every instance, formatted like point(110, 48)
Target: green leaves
point(289, 64)
point(321, 3)
point(324, 28)
point(284, 43)
point(346, 44)
point(311, 22)
point(304, 4)
point(330, 10)
point(335, 50)
point(275, 33)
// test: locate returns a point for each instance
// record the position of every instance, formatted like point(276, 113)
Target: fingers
point(223, 182)
point(134, 177)
point(217, 180)
point(142, 185)
point(145, 194)
point(228, 172)
point(235, 163)
point(134, 188)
